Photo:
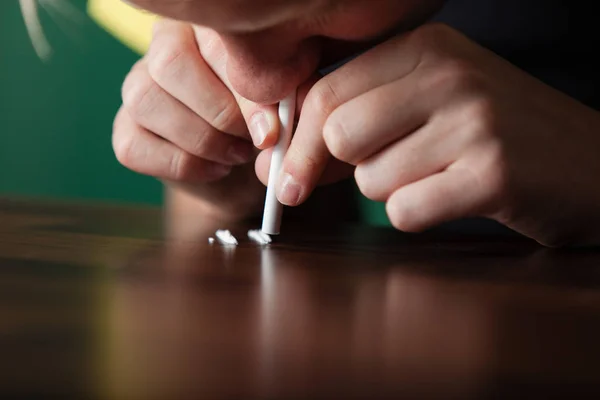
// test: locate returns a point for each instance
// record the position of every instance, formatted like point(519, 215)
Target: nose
point(265, 67)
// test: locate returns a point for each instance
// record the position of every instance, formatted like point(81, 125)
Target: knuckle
point(224, 116)
point(302, 165)
point(365, 183)
point(399, 216)
point(182, 167)
point(479, 121)
point(210, 45)
point(311, 163)
point(168, 60)
point(139, 93)
point(336, 140)
point(157, 26)
point(202, 143)
point(177, 166)
point(123, 144)
point(455, 75)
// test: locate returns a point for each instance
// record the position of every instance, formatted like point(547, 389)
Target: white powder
point(259, 237)
point(226, 237)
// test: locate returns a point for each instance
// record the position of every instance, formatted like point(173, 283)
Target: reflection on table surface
point(128, 303)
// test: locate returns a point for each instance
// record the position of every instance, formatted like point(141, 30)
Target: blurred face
point(275, 45)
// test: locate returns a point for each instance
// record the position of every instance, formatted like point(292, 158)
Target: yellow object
point(133, 27)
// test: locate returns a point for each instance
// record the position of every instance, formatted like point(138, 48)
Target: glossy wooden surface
point(130, 303)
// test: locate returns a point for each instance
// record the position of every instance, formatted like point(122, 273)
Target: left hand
point(441, 129)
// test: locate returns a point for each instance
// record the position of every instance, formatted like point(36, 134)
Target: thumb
point(263, 121)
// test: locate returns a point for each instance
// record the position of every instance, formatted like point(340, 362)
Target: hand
point(181, 122)
point(441, 129)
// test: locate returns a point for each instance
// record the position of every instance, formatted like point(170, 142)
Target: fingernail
point(217, 171)
point(239, 153)
point(259, 128)
point(290, 190)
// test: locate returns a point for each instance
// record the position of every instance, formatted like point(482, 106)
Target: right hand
point(182, 123)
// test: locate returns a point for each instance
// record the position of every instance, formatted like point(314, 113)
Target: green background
point(56, 115)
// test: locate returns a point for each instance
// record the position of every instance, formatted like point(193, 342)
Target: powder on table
point(259, 237)
point(226, 237)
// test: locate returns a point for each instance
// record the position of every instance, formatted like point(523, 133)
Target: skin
point(426, 121)
point(184, 119)
point(275, 45)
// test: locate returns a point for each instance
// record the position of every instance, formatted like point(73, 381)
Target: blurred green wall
point(56, 116)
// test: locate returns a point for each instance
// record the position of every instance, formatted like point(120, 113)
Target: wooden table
point(133, 303)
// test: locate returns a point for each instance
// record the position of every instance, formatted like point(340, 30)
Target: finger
point(308, 154)
point(366, 124)
point(447, 196)
point(426, 151)
point(261, 120)
point(335, 170)
point(145, 153)
point(176, 64)
point(262, 135)
point(157, 111)
point(303, 90)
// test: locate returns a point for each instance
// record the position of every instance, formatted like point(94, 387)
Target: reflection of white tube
point(273, 208)
point(267, 332)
